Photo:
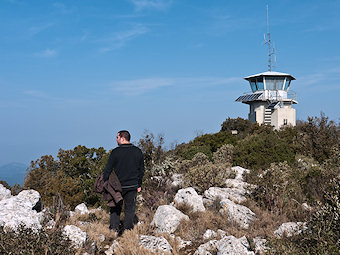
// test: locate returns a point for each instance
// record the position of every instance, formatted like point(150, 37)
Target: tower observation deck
point(270, 99)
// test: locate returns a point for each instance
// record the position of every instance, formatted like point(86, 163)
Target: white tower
point(271, 99)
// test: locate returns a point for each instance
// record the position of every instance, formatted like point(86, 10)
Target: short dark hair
point(125, 134)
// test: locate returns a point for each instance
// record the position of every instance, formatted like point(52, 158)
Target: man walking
point(127, 162)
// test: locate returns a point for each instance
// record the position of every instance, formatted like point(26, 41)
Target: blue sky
point(76, 72)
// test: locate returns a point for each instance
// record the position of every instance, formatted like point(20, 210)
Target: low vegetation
point(290, 167)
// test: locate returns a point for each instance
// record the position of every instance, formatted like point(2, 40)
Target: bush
point(261, 149)
point(317, 137)
point(207, 144)
point(203, 174)
point(323, 229)
point(71, 175)
point(28, 241)
point(242, 126)
point(224, 154)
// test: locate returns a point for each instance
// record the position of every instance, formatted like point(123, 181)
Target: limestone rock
point(239, 172)
point(189, 196)
point(209, 234)
point(239, 214)
point(4, 193)
point(260, 245)
point(156, 244)
point(234, 194)
point(221, 233)
point(17, 210)
point(225, 246)
point(181, 243)
point(177, 180)
point(111, 249)
point(290, 229)
point(306, 207)
point(81, 209)
point(167, 218)
point(76, 235)
point(208, 248)
point(232, 245)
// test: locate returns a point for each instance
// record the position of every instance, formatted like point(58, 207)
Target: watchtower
point(270, 100)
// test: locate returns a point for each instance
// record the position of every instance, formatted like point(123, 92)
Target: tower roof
point(269, 73)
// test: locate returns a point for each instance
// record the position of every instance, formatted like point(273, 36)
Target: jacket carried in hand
point(110, 189)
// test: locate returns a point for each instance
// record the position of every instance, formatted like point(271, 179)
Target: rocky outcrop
point(225, 246)
point(81, 209)
point(240, 171)
point(260, 245)
point(177, 180)
point(76, 235)
point(239, 214)
point(234, 194)
point(210, 234)
point(156, 244)
point(190, 197)
point(289, 229)
point(4, 193)
point(167, 218)
point(18, 211)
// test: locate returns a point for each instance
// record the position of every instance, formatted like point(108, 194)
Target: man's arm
point(141, 172)
point(108, 167)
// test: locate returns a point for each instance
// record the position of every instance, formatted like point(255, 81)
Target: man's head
point(123, 137)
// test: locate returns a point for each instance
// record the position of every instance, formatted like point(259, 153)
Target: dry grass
point(95, 225)
point(129, 243)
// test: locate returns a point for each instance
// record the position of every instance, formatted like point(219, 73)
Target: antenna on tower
point(268, 42)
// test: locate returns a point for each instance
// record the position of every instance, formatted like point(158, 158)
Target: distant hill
point(13, 173)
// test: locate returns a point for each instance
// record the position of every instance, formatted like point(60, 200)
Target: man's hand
point(139, 189)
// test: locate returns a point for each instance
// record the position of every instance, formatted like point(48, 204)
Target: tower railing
point(273, 94)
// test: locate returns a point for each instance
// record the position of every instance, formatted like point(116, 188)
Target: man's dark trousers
point(129, 197)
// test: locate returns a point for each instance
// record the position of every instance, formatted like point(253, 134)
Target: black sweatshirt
point(128, 163)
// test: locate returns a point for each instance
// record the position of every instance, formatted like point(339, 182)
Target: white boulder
point(209, 234)
point(239, 172)
point(239, 214)
point(190, 197)
point(260, 245)
point(177, 180)
point(76, 235)
point(225, 246)
point(81, 209)
point(290, 229)
point(234, 194)
point(4, 192)
point(156, 244)
point(208, 248)
point(17, 210)
point(232, 245)
point(167, 219)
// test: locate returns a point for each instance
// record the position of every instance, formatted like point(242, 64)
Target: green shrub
point(209, 175)
point(317, 137)
point(71, 175)
point(242, 126)
point(323, 229)
point(224, 154)
point(28, 241)
point(193, 150)
point(260, 150)
point(207, 144)
point(203, 174)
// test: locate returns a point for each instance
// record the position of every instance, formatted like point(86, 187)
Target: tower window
point(285, 122)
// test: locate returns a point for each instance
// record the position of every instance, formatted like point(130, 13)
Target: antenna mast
point(267, 41)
